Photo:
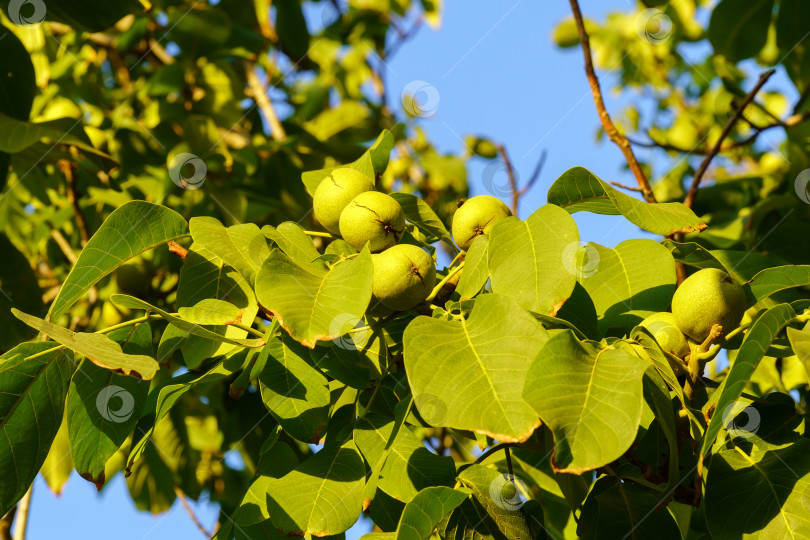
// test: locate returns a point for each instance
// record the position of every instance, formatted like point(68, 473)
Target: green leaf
point(294, 392)
point(493, 511)
point(656, 394)
point(98, 348)
point(421, 516)
point(292, 240)
point(800, 343)
point(533, 261)
point(17, 135)
point(791, 29)
point(19, 289)
point(693, 254)
point(355, 359)
point(313, 303)
point(103, 407)
point(129, 230)
point(151, 480)
point(779, 278)
point(616, 509)
point(578, 189)
point(240, 246)
point(410, 467)
point(322, 496)
point(34, 380)
point(776, 483)
point(628, 283)
point(476, 268)
point(757, 340)
point(17, 86)
point(484, 360)
point(372, 163)
point(130, 302)
point(58, 465)
point(423, 217)
point(590, 396)
point(167, 393)
point(211, 311)
point(292, 28)
point(738, 29)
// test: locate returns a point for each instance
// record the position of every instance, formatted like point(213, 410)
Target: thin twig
point(66, 168)
point(510, 172)
point(802, 99)
point(5, 524)
point(693, 189)
point(64, 245)
point(403, 37)
point(535, 174)
point(624, 186)
point(612, 133)
point(190, 511)
point(508, 455)
point(259, 94)
point(23, 509)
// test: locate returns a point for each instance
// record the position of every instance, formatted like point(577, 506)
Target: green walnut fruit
point(404, 275)
point(481, 147)
point(706, 298)
point(475, 217)
point(372, 217)
point(335, 192)
point(663, 328)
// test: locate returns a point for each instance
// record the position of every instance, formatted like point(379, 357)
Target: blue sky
point(496, 73)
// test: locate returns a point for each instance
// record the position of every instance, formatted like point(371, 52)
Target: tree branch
point(23, 507)
point(259, 93)
point(5, 524)
point(623, 186)
point(535, 174)
point(190, 511)
point(690, 195)
point(612, 133)
point(510, 172)
point(66, 168)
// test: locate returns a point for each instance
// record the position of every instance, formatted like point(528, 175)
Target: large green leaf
point(590, 396)
point(578, 189)
point(130, 302)
point(373, 162)
point(418, 212)
point(738, 29)
point(312, 302)
point(482, 360)
point(204, 277)
point(693, 254)
point(294, 391)
point(757, 340)
point(320, 497)
point(800, 343)
point(476, 268)
point(630, 282)
point(58, 465)
point(17, 86)
point(625, 510)
point(131, 229)
point(533, 261)
point(17, 135)
point(98, 348)
point(762, 495)
point(103, 407)
point(241, 246)
point(34, 381)
point(492, 511)
point(421, 516)
point(292, 240)
point(779, 278)
point(410, 467)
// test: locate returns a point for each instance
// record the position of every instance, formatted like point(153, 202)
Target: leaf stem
point(248, 329)
point(490, 451)
point(508, 455)
point(319, 233)
point(444, 281)
point(23, 509)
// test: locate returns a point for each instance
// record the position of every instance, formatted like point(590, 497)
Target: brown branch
point(259, 93)
point(623, 186)
point(802, 99)
point(23, 509)
point(535, 174)
point(612, 133)
point(67, 168)
point(5, 524)
point(693, 189)
point(510, 172)
point(190, 511)
point(63, 244)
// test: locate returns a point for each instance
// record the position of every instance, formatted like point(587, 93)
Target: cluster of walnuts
point(346, 204)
